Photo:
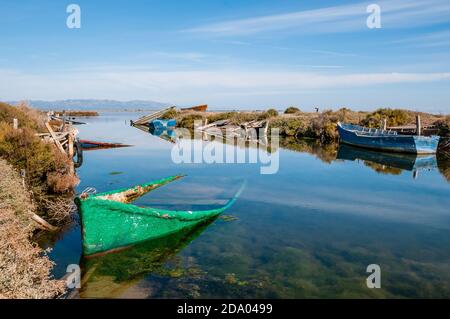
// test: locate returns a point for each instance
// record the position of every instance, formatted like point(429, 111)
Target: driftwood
point(42, 223)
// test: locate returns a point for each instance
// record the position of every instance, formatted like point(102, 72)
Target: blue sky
point(230, 54)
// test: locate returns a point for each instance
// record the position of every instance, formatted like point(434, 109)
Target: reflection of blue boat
point(162, 124)
point(167, 134)
point(386, 140)
point(403, 161)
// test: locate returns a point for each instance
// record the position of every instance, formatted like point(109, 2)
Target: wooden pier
point(64, 135)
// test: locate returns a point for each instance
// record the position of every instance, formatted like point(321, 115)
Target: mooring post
point(15, 124)
point(64, 121)
point(418, 125)
point(71, 152)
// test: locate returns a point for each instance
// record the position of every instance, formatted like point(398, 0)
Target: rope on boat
point(88, 191)
point(236, 196)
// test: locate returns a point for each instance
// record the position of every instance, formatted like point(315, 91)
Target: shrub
point(395, 117)
point(443, 126)
point(170, 114)
point(188, 121)
point(292, 110)
point(290, 126)
point(48, 171)
point(272, 112)
point(24, 150)
point(26, 116)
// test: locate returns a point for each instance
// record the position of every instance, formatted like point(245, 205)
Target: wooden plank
point(153, 116)
point(55, 138)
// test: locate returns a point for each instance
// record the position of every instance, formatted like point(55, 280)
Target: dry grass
point(24, 267)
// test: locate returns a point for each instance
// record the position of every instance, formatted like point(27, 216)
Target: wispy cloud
point(122, 84)
point(187, 56)
point(435, 39)
point(344, 18)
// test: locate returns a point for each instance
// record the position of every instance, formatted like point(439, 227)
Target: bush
point(292, 110)
point(290, 126)
point(26, 116)
point(188, 121)
point(443, 126)
point(395, 117)
point(272, 112)
point(48, 171)
point(24, 150)
point(267, 114)
point(171, 114)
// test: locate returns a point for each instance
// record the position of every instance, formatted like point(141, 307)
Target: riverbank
point(24, 267)
point(36, 193)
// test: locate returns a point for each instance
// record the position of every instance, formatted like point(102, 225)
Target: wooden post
point(384, 124)
point(418, 125)
point(70, 145)
point(15, 124)
point(71, 153)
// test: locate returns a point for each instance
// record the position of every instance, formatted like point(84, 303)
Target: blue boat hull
point(392, 143)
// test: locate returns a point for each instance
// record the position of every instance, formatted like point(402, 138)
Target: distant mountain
point(94, 105)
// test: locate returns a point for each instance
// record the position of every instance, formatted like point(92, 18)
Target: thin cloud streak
point(435, 39)
point(344, 18)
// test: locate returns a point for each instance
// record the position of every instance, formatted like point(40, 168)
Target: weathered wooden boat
point(389, 141)
point(110, 222)
point(93, 145)
point(199, 108)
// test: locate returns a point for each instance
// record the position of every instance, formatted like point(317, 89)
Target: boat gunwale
point(361, 133)
point(182, 215)
point(151, 212)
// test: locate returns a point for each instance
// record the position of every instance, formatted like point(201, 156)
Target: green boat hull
point(112, 275)
point(109, 225)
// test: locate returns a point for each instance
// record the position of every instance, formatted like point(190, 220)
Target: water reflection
point(112, 275)
point(443, 162)
point(381, 162)
point(164, 133)
point(387, 163)
point(325, 152)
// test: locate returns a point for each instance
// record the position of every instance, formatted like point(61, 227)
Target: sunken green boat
point(111, 223)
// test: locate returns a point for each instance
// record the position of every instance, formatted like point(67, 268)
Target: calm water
point(309, 231)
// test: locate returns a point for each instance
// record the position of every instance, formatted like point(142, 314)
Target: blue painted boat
point(389, 141)
point(160, 124)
